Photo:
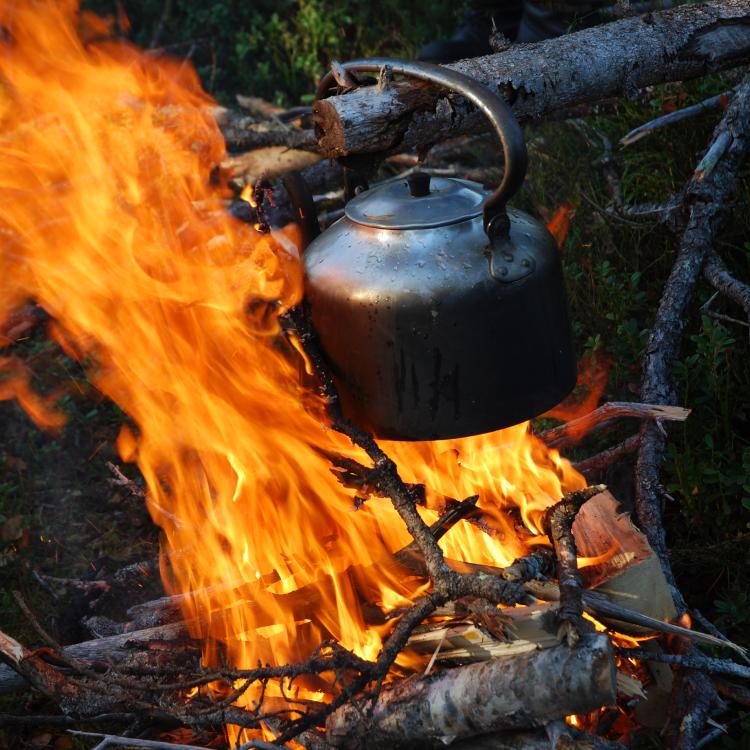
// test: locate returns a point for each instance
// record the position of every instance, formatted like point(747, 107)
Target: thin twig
point(677, 116)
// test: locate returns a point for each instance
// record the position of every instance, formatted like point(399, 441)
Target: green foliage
point(278, 50)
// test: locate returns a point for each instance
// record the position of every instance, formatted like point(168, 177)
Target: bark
point(594, 465)
point(706, 200)
point(526, 691)
point(718, 275)
point(558, 524)
point(614, 59)
point(114, 649)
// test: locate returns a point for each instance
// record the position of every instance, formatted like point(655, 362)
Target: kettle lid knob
point(419, 184)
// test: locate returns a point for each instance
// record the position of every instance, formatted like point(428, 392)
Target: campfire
point(321, 588)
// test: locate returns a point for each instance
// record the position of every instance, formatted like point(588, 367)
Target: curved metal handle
point(492, 106)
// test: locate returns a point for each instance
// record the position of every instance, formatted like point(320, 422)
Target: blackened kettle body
point(441, 311)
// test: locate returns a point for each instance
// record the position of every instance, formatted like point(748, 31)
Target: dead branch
point(537, 79)
point(679, 115)
point(706, 204)
point(603, 417)
point(596, 464)
point(693, 660)
point(558, 524)
point(705, 200)
point(718, 275)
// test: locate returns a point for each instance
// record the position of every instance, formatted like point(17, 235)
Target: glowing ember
point(105, 168)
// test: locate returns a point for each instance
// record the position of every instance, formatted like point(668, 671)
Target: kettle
point(440, 309)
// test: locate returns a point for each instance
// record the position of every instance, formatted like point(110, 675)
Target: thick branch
point(537, 79)
point(526, 691)
point(706, 200)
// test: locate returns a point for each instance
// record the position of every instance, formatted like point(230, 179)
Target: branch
point(706, 201)
point(558, 524)
point(601, 418)
point(679, 115)
point(538, 79)
point(718, 275)
point(595, 464)
point(692, 660)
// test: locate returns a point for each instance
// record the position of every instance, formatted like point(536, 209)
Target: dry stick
point(444, 580)
point(706, 205)
point(678, 116)
point(598, 605)
point(538, 79)
point(558, 524)
point(693, 660)
point(595, 464)
point(112, 739)
point(447, 584)
point(36, 671)
point(711, 628)
point(718, 275)
point(602, 417)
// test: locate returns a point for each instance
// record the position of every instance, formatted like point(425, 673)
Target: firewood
point(629, 573)
point(114, 649)
point(528, 690)
point(538, 79)
point(524, 629)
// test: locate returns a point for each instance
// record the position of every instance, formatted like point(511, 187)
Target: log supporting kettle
point(441, 310)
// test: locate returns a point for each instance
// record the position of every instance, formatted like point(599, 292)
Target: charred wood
point(558, 523)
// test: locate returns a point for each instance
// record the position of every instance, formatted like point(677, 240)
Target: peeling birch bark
point(523, 692)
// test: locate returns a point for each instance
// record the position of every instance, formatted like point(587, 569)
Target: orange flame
point(106, 160)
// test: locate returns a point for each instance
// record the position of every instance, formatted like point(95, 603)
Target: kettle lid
point(417, 202)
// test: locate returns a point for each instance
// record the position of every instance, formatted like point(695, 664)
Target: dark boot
point(542, 20)
point(472, 37)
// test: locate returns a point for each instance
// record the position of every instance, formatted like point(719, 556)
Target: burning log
point(537, 79)
point(529, 690)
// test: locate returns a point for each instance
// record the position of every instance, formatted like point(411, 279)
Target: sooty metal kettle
point(441, 310)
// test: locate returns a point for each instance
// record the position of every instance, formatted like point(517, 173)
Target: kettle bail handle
point(491, 105)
